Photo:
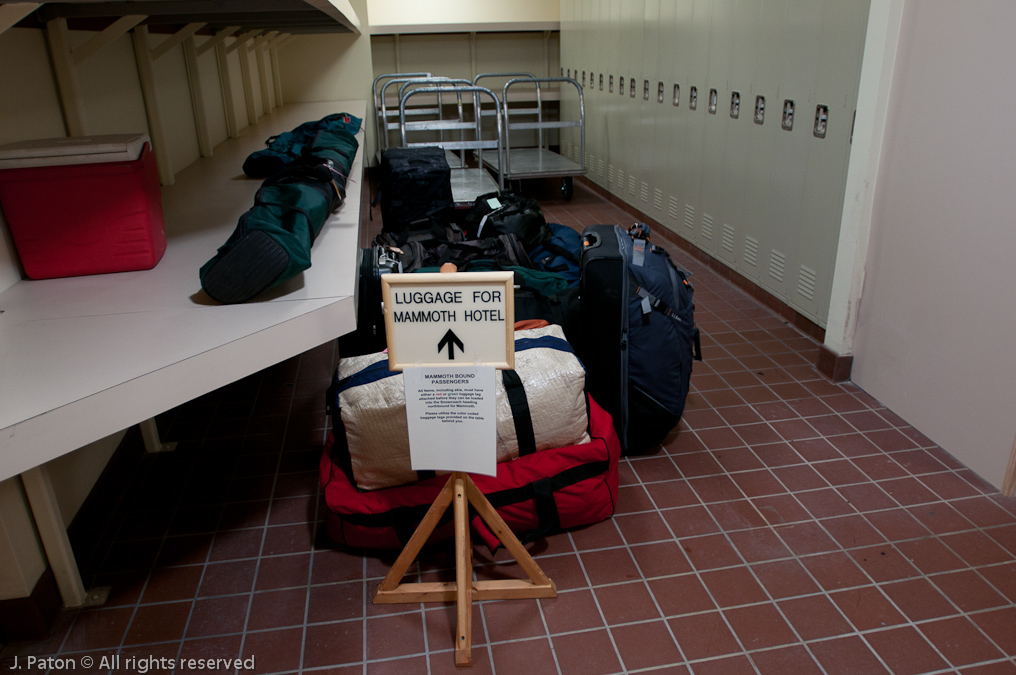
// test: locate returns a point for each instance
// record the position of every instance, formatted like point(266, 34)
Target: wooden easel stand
point(459, 491)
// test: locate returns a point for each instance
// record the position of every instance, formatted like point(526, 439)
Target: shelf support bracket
point(226, 83)
point(66, 76)
point(216, 39)
point(260, 45)
point(143, 55)
point(175, 39)
point(53, 532)
point(190, 59)
point(106, 37)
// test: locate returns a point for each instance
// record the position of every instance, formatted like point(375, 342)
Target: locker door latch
point(713, 98)
point(821, 120)
point(760, 109)
point(693, 98)
point(659, 92)
point(735, 104)
point(677, 94)
point(788, 114)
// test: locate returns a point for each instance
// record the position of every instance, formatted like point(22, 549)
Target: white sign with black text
point(452, 415)
point(449, 319)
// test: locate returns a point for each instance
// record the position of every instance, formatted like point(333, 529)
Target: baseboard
point(31, 618)
point(834, 366)
point(801, 322)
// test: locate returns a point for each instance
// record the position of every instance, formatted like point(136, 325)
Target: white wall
point(938, 310)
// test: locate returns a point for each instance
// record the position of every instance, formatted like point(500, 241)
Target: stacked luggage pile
point(605, 338)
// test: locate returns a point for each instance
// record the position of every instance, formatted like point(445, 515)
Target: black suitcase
point(415, 190)
point(369, 336)
point(637, 333)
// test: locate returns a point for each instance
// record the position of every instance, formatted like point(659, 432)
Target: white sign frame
point(460, 281)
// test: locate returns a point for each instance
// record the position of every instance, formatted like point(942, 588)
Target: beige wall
point(938, 312)
point(391, 14)
point(330, 67)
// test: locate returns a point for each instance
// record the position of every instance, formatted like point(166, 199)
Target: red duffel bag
point(536, 494)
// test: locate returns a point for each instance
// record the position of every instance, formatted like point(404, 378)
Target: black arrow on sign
point(450, 339)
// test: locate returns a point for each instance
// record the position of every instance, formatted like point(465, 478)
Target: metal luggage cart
point(468, 183)
point(381, 115)
point(529, 76)
point(539, 162)
point(388, 119)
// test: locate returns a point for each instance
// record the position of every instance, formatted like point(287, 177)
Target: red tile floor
point(792, 526)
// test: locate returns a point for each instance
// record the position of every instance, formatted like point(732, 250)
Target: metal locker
point(838, 75)
point(666, 118)
point(759, 220)
point(789, 167)
point(613, 123)
point(674, 163)
point(732, 212)
point(695, 18)
point(635, 29)
point(716, 126)
point(648, 109)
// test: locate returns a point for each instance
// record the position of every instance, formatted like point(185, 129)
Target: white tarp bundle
point(373, 407)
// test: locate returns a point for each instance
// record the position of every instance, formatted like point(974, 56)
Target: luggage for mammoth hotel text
point(638, 333)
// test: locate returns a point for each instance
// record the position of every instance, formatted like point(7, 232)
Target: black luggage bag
point(637, 333)
point(415, 190)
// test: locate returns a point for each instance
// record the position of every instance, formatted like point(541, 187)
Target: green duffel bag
point(272, 241)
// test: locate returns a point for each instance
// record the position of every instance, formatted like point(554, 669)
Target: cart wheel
point(567, 188)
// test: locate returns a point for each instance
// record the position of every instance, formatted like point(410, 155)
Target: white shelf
point(84, 357)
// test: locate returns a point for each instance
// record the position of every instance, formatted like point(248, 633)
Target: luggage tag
point(495, 204)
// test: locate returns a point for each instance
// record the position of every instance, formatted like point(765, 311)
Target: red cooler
point(83, 205)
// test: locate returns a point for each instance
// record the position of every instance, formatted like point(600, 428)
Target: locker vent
point(610, 174)
point(599, 168)
point(620, 180)
point(591, 161)
point(631, 185)
point(689, 216)
point(751, 251)
point(644, 192)
point(707, 226)
point(728, 238)
point(674, 209)
point(658, 199)
point(777, 265)
point(567, 149)
point(806, 282)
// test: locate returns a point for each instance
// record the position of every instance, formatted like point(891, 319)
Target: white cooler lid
point(72, 150)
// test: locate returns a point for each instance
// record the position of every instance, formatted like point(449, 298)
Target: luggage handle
point(639, 231)
point(590, 240)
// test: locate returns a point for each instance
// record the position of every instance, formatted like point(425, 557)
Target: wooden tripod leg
point(419, 538)
point(463, 573)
